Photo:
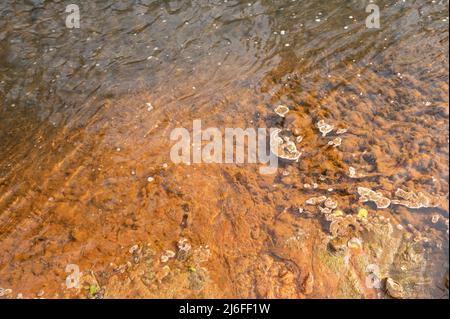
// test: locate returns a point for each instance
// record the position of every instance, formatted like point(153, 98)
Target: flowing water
point(78, 143)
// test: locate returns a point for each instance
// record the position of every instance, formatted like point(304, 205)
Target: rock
point(308, 284)
point(394, 289)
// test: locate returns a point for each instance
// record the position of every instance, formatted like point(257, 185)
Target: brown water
point(77, 145)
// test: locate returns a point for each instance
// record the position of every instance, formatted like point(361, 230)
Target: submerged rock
point(394, 289)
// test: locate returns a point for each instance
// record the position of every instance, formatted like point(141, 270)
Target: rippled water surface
point(78, 144)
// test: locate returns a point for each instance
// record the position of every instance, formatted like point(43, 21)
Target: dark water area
point(85, 120)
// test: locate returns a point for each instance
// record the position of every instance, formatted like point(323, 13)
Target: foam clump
point(316, 200)
point(283, 147)
point(412, 200)
point(336, 142)
point(367, 195)
point(324, 128)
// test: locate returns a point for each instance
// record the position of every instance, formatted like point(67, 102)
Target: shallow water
point(77, 145)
